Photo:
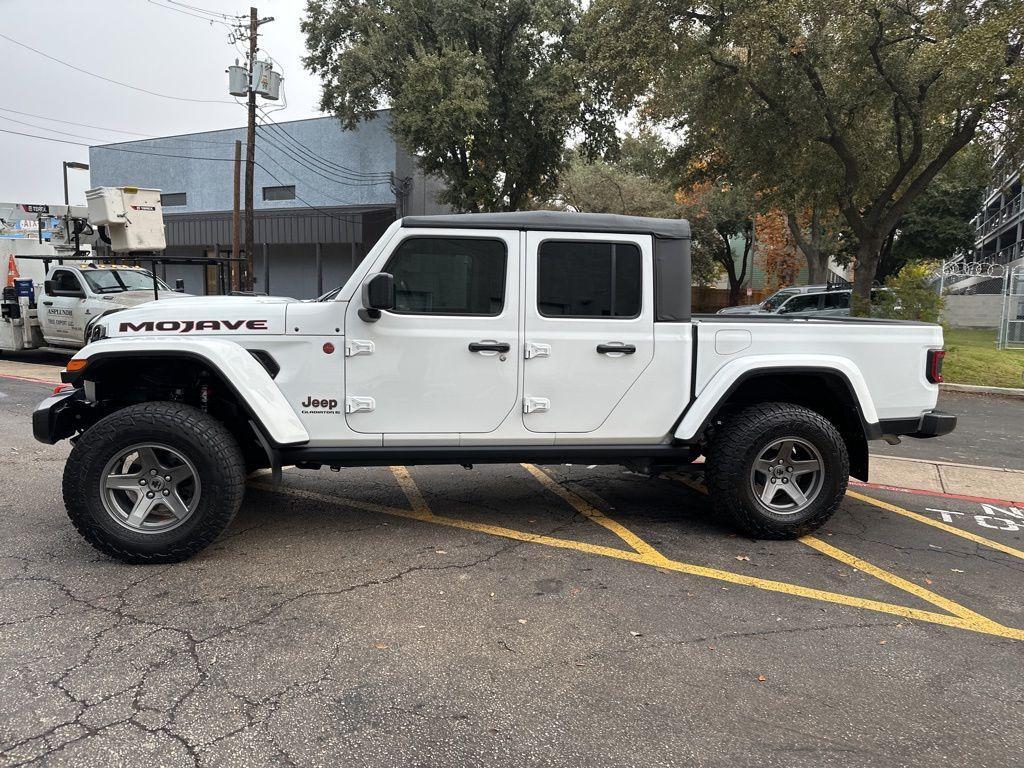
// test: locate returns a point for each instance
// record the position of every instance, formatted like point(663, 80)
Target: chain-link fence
point(1011, 327)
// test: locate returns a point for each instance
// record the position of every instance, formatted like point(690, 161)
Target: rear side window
point(588, 279)
point(839, 300)
point(449, 276)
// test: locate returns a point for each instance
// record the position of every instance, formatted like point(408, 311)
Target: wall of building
point(972, 311)
point(202, 165)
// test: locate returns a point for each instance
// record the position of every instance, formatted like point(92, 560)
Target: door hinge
point(355, 347)
point(356, 404)
point(531, 350)
point(536, 404)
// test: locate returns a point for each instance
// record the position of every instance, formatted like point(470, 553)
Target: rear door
point(445, 360)
point(589, 326)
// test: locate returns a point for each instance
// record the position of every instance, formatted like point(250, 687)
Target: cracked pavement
point(318, 634)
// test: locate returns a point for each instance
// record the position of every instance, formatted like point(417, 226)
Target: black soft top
point(665, 229)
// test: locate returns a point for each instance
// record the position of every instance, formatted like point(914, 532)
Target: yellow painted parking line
point(891, 578)
point(663, 563)
point(591, 512)
point(937, 524)
point(411, 490)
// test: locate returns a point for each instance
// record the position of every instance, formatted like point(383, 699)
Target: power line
point(107, 79)
point(189, 13)
point(338, 180)
point(204, 10)
point(97, 141)
point(69, 122)
point(269, 123)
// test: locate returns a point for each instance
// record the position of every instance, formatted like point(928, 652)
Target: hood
point(200, 315)
point(134, 298)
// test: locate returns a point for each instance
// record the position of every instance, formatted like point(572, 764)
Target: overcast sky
point(139, 42)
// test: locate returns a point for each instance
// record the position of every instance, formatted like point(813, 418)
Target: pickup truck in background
point(481, 338)
point(57, 311)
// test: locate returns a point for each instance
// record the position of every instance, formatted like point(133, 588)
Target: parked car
point(773, 302)
point(825, 304)
point(481, 338)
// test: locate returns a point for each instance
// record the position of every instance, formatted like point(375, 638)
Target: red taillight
point(62, 388)
point(934, 372)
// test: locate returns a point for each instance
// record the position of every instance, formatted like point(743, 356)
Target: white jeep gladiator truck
point(461, 339)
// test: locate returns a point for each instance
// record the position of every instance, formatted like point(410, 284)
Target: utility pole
point(236, 223)
point(250, 148)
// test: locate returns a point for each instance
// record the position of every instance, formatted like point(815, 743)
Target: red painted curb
point(29, 378)
point(920, 492)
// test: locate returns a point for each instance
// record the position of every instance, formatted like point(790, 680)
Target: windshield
point(121, 280)
point(775, 300)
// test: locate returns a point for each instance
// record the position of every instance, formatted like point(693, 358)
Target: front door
point(62, 318)
point(589, 326)
point(446, 359)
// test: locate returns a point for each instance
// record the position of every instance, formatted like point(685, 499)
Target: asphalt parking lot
point(509, 615)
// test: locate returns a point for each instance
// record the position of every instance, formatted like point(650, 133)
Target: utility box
point(238, 80)
point(133, 217)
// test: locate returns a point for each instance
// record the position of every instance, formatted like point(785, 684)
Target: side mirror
point(179, 285)
point(48, 287)
point(378, 294)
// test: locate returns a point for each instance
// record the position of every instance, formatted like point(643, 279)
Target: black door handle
point(626, 349)
point(48, 303)
point(489, 346)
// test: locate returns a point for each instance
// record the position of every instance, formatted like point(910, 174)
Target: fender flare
point(260, 396)
point(730, 376)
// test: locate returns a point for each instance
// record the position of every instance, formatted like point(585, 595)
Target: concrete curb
point(978, 390)
point(947, 478)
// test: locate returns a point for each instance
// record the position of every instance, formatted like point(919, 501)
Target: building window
point(449, 276)
point(588, 279)
point(168, 199)
point(279, 193)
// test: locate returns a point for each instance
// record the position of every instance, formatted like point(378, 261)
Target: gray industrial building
point(322, 197)
point(999, 227)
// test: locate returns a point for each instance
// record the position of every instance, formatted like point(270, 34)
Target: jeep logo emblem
point(319, 405)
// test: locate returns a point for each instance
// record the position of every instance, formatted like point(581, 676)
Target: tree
point(483, 91)
point(630, 186)
point(721, 217)
point(775, 245)
point(859, 102)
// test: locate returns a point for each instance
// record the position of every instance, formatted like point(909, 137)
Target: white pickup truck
point(539, 336)
point(71, 297)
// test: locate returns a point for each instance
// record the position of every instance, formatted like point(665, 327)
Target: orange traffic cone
point(12, 271)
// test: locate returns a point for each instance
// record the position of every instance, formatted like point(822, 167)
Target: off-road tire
point(207, 444)
point(736, 444)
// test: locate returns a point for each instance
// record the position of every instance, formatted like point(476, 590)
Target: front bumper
point(929, 424)
point(59, 416)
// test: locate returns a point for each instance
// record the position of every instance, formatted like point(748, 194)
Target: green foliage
point(972, 358)
point(629, 185)
point(911, 294)
point(483, 91)
point(857, 102)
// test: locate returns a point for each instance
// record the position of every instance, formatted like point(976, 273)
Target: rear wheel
point(154, 483)
point(777, 470)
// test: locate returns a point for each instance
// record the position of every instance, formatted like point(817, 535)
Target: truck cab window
point(588, 279)
point(449, 276)
point(64, 280)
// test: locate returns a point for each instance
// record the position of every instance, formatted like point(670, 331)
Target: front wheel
point(777, 470)
point(154, 482)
